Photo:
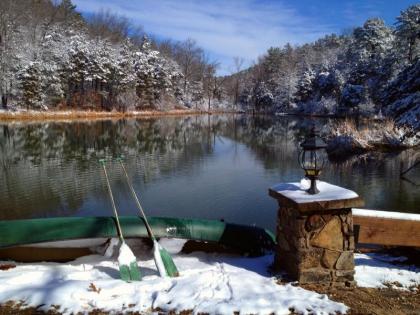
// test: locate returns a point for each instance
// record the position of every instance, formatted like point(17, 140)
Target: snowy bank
point(381, 271)
point(347, 139)
point(212, 283)
point(28, 115)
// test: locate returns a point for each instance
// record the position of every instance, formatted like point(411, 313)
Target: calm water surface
point(201, 167)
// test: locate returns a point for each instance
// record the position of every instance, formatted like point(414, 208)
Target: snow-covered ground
point(212, 283)
point(380, 271)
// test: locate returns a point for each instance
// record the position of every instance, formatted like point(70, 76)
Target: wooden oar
point(129, 270)
point(163, 259)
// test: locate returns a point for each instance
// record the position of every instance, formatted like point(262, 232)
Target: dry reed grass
point(33, 115)
point(372, 134)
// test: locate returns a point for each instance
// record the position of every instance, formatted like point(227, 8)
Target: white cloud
point(225, 29)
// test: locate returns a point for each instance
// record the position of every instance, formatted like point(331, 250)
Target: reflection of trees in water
point(52, 168)
point(273, 140)
point(376, 177)
point(86, 142)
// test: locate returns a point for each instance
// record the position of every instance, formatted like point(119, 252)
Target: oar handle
point(133, 192)
point(120, 235)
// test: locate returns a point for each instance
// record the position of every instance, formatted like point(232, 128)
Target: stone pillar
point(315, 240)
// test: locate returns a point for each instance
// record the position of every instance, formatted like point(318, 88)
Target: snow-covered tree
point(353, 95)
point(304, 86)
point(122, 77)
point(371, 44)
point(78, 69)
point(156, 75)
point(11, 39)
point(262, 98)
point(197, 93)
point(408, 31)
point(31, 82)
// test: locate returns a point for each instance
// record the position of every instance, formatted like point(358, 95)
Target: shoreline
point(59, 115)
point(79, 114)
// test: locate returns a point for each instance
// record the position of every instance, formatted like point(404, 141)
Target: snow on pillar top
point(330, 197)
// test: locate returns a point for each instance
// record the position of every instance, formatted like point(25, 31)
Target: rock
point(344, 276)
point(314, 276)
point(329, 258)
point(351, 243)
point(299, 243)
point(345, 229)
point(310, 259)
point(330, 236)
point(314, 222)
point(327, 217)
point(286, 261)
point(282, 242)
point(345, 261)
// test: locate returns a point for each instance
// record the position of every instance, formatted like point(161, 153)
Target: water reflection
point(199, 166)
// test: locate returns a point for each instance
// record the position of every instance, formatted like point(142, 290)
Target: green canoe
point(27, 236)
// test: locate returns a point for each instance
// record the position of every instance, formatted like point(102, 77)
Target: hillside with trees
point(51, 57)
point(372, 70)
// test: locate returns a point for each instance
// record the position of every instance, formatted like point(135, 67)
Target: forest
point(52, 57)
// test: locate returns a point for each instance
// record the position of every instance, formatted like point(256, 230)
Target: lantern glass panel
point(312, 161)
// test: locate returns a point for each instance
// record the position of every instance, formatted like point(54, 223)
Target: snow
point(297, 192)
point(158, 259)
point(380, 271)
point(209, 282)
point(386, 214)
point(212, 283)
point(126, 256)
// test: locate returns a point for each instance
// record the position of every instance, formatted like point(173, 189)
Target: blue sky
point(246, 28)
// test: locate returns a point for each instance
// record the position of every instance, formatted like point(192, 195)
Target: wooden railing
point(386, 228)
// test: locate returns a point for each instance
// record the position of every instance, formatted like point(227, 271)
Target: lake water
point(209, 167)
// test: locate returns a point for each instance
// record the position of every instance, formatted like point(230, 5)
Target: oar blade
point(129, 270)
point(129, 273)
point(164, 262)
point(170, 267)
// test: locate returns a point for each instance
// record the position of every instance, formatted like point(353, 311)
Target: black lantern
point(312, 158)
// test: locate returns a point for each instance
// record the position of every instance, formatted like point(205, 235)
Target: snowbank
point(380, 271)
point(212, 283)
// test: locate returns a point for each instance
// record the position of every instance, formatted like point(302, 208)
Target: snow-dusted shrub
point(367, 108)
point(407, 111)
point(402, 97)
point(325, 106)
point(346, 138)
point(328, 105)
point(406, 82)
point(352, 95)
point(328, 83)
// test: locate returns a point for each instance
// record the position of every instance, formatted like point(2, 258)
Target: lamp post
point(312, 158)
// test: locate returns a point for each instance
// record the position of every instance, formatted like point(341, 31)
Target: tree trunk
point(4, 101)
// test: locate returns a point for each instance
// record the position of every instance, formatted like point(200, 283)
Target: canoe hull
point(72, 236)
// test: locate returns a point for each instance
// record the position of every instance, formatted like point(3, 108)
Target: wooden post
point(315, 240)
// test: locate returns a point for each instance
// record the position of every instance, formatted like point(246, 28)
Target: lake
point(212, 167)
